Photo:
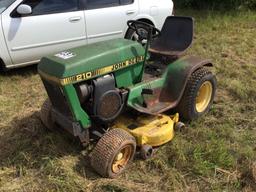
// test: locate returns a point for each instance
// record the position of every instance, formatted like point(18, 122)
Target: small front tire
point(113, 152)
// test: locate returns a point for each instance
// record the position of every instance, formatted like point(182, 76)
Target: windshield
point(5, 4)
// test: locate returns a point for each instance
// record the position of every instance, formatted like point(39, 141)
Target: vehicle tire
point(132, 35)
point(146, 152)
point(113, 152)
point(198, 95)
point(2, 66)
point(46, 116)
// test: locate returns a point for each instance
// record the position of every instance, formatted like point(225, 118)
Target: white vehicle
point(31, 29)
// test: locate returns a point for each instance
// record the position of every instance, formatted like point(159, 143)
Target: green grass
point(216, 152)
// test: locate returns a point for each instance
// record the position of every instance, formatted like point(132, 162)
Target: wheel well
point(142, 20)
point(2, 65)
point(146, 21)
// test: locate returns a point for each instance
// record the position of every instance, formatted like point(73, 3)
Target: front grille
point(57, 98)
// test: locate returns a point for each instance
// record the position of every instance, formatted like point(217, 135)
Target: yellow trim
point(91, 74)
point(122, 158)
point(204, 96)
point(150, 130)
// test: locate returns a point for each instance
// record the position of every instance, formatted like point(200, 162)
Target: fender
point(168, 90)
point(177, 76)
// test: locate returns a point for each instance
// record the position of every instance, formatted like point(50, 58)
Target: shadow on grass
point(23, 71)
point(26, 144)
point(84, 169)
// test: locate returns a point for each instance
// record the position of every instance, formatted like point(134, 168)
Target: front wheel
point(46, 114)
point(113, 152)
point(198, 95)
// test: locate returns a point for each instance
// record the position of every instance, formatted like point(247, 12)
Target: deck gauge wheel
point(146, 152)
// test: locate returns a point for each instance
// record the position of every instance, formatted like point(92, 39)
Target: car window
point(95, 4)
point(40, 7)
point(126, 2)
point(4, 4)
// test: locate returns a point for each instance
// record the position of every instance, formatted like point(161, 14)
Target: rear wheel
point(46, 116)
point(113, 153)
point(199, 94)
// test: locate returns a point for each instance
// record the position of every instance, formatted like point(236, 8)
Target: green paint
point(136, 90)
point(176, 67)
point(101, 55)
point(91, 57)
point(173, 69)
point(129, 76)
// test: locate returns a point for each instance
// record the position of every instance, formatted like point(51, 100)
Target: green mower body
point(89, 87)
point(65, 71)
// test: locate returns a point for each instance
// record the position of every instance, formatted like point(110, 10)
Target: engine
point(101, 99)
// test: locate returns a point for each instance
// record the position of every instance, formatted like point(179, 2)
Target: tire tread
point(106, 147)
point(186, 105)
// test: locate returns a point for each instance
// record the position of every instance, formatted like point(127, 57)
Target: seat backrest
point(176, 35)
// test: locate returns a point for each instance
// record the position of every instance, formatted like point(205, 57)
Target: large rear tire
point(113, 152)
point(198, 95)
point(46, 114)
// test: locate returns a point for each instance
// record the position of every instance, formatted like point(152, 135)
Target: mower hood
point(89, 58)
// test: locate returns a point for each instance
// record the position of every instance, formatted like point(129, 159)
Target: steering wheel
point(133, 24)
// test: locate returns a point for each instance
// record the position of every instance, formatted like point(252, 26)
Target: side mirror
point(24, 9)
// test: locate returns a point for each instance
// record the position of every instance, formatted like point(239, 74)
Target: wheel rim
point(204, 96)
point(143, 33)
point(122, 158)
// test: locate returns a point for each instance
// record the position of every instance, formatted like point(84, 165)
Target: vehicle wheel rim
point(143, 33)
point(122, 158)
point(204, 96)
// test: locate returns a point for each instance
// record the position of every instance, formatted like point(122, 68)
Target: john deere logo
point(102, 71)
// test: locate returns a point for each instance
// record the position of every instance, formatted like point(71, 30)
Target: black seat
point(176, 36)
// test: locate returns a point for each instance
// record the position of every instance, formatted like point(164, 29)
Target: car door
point(106, 19)
point(53, 25)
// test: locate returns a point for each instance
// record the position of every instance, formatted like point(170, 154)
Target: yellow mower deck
point(149, 130)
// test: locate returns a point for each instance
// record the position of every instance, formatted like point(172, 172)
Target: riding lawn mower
point(120, 93)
